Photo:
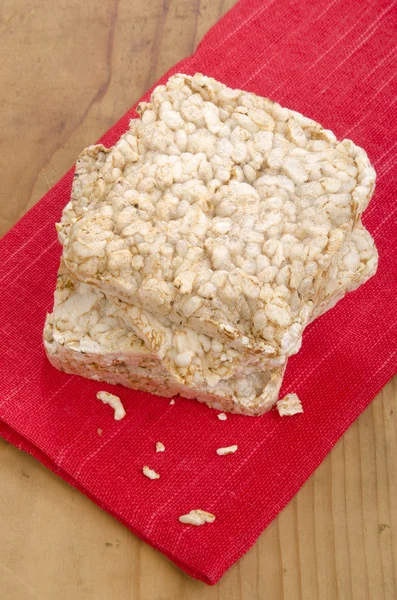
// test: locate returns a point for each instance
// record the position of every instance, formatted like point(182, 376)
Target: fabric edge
point(11, 436)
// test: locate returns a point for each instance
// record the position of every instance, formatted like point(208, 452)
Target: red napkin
point(335, 62)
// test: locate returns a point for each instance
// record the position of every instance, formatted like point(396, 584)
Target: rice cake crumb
point(222, 416)
point(160, 447)
point(227, 450)
point(114, 402)
point(197, 517)
point(150, 473)
point(289, 405)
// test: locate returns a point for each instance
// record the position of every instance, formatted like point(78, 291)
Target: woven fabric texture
point(334, 61)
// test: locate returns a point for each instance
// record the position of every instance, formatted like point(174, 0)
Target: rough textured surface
point(114, 402)
point(289, 405)
point(218, 210)
point(197, 517)
point(88, 335)
point(357, 261)
point(214, 224)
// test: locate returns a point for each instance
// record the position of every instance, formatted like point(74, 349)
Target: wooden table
point(69, 70)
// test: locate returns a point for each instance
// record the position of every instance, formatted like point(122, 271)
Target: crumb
point(150, 473)
point(115, 403)
point(197, 517)
point(227, 450)
point(289, 405)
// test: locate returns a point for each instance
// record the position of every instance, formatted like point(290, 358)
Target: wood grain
point(69, 70)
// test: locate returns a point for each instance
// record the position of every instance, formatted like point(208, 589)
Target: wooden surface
point(69, 70)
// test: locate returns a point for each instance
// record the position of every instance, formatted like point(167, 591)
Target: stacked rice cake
point(208, 237)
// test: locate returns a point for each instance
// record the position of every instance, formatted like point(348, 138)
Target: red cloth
point(335, 62)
